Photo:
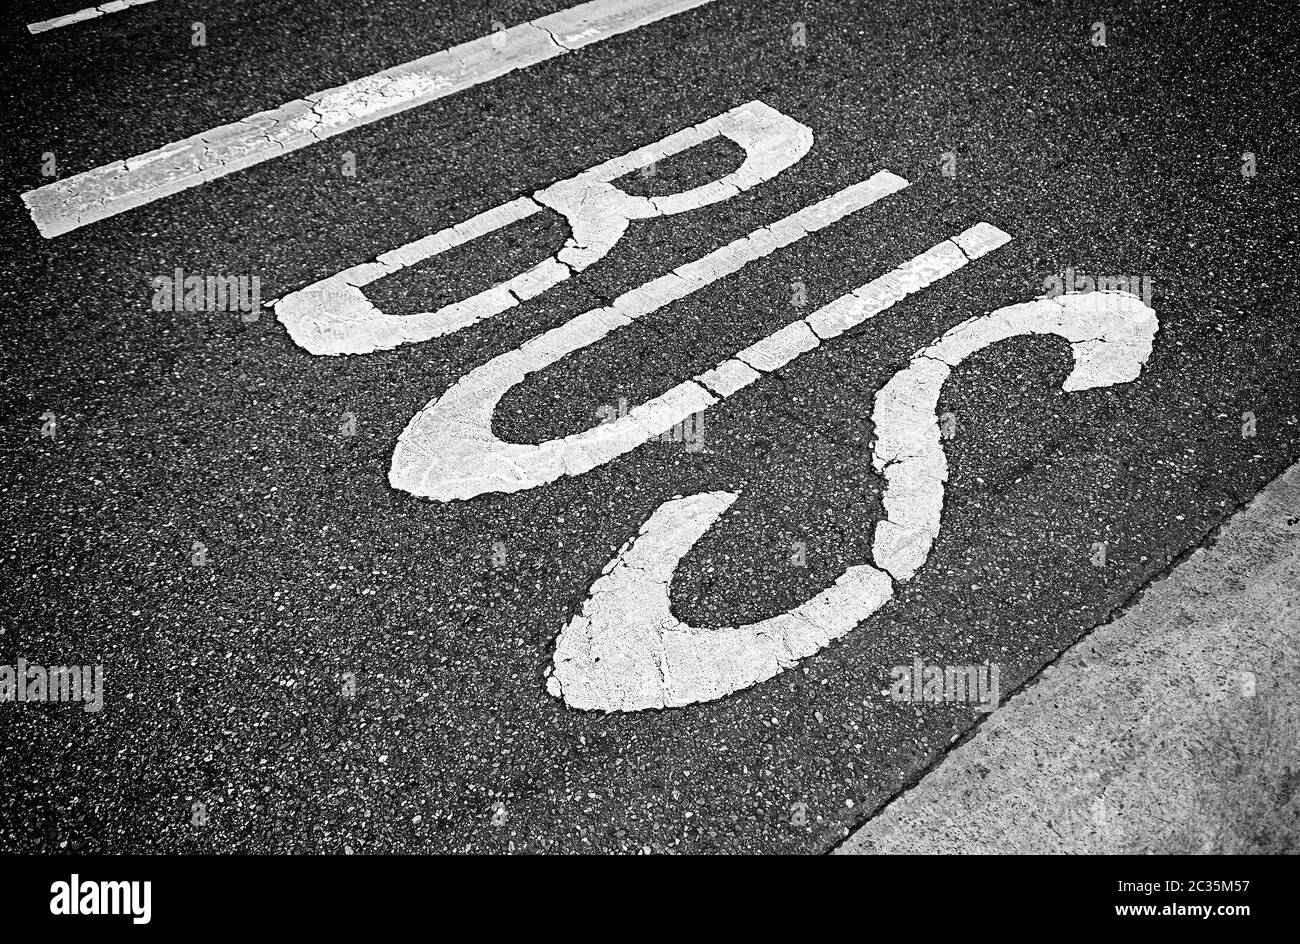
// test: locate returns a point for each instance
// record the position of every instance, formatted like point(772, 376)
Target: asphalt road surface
point(299, 656)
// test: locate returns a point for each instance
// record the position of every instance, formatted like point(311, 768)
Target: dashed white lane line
point(448, 451)
point(333, 316)
point(114, 188)
point(81, 16)
point(626, 651)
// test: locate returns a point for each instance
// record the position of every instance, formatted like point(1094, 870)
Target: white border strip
point(105, 191)
point(82, 15)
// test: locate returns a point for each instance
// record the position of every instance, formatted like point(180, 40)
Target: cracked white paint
point(625, 651)
point(448, 451)
point(81, 16)
point(333, 316)
point(114, 188)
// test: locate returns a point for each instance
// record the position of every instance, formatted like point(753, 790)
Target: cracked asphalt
point(226, 725)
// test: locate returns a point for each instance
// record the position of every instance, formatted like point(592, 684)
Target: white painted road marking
point(115, 188)
point(448, 451)
point(81, 16)
point(626, 651)
point(333, 316)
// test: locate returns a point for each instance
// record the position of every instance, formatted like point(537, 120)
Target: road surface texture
point(299, 656)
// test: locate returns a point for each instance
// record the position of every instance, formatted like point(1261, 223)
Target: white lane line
point(626, 651)
point(114, 188)
point(448, 451)
point(333, 316)
point(81, 16)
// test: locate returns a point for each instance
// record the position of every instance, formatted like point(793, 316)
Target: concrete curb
point(1173, 729)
